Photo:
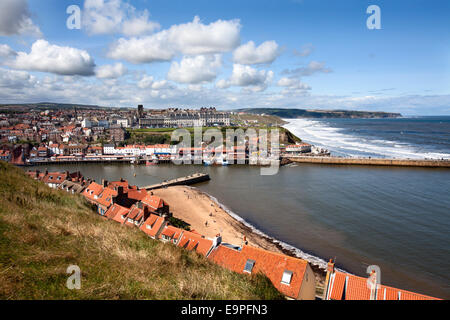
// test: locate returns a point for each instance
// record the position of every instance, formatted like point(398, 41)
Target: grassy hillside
point(163, 135)
point(43, 231)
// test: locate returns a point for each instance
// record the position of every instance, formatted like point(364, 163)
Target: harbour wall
point(372, 161)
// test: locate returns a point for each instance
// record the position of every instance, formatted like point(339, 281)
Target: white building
point(109, 149)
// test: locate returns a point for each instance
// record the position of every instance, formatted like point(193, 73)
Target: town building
point(291, 276)
point(345, 286)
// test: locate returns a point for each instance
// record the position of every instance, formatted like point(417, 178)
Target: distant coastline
point(313, 113)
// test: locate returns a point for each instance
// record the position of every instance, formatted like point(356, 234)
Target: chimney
point(104, 183)
point(244, 241)
point(330, 271)
point(120, 191)
point(217, 240)
point(46, 171)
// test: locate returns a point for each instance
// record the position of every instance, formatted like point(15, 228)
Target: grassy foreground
point(43, 231)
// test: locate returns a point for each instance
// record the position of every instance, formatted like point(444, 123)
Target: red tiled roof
point(106, 197)
point(171, 232)
point(154, 202)
point(137, 195)
point(356, 289)
point(272, 264)
point(338, 286)
point(191, 241)
point(94, 189)
point(116, 210)
point(134, 212)
point(55, 177)
point(152, 225)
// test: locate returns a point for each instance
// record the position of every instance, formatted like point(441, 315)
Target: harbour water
point(396, 218)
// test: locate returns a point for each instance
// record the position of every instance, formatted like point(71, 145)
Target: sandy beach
point(207, 218)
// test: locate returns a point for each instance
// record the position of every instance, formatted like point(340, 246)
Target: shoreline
point(231, 226)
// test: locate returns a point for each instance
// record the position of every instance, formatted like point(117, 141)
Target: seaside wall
point(373, 161)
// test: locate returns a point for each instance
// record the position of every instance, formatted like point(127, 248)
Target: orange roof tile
point(171, 232)
point(93, 191)
point(152, 225)
point(356, 289)
point(191, 241)
point(116, 210)
point(106, 197)
point(338, 284)
point(272, 264)
point(154, 202)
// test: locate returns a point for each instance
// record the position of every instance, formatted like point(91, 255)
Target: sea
point(397, 218)
point(405, 138)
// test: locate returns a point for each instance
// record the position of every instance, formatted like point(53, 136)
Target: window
point(287, 277)
point(249, 266)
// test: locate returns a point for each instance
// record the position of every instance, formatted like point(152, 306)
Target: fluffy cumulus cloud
point(12, 79)
point(111, 71)
point(193, 38)
point(248, 53)
point(46, 57)
point(246, 76)
point(15, 19)
point(116, 16)
point(292, 84)
point(195, 70)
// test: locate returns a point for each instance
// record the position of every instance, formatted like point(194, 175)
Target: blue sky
point(293, 53)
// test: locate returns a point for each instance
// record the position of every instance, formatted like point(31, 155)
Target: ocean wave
point(341, 143)
point(314, 260)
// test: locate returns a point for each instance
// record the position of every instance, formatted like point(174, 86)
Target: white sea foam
point(346, 144)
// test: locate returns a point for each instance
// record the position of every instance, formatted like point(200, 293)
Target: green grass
point(43, 231)
point(163, 135)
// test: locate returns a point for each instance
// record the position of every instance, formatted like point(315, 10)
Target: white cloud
point(15, 19)
point(194, 70)
point(111, 71)
point(148, 82)
point(292, 83)
point(13, 79)
point(246, 76)
point(247, 53)
point(143, 50)
point(46, 57)
point(193, 38)
point(312, 68)
point(306, 50)
point(116, 16)
point(6, 51)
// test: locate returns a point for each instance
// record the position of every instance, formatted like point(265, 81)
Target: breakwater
point(371, 161)
point(189, 180)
